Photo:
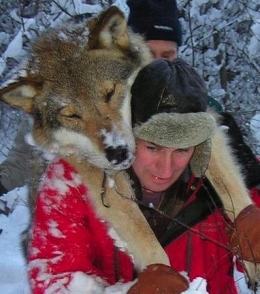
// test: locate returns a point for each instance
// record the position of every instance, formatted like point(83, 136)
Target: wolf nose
point(116, 155)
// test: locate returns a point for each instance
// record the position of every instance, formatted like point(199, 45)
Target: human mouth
point(157, 183)
point(159, 179)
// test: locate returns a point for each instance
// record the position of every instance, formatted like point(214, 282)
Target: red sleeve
point(62, 237)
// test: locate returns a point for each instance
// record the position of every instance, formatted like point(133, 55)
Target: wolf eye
point(74, 115)
point(110, 95)
point(69, 112)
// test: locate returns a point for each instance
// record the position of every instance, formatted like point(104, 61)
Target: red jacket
point(72, 251)
point(206, 254)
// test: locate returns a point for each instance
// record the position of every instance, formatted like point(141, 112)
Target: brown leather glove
point(244, 235)
point(159, 278)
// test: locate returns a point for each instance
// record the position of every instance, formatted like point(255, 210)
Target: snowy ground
point(12, 264)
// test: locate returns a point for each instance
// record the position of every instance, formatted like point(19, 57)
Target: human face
point(163, 49)
point(158, 167)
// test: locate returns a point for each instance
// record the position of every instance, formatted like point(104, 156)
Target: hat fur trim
point(177, 130)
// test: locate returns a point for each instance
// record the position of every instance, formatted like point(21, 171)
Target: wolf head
point(76, 84)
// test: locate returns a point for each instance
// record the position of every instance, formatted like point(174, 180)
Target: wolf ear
point(109, 30)
point(20, 94)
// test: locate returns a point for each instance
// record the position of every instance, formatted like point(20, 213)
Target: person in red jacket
point(74, 250)
point(165, 182)
point(177, 200)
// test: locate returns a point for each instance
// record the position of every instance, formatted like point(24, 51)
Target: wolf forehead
point(68, 54)
point(71, 73)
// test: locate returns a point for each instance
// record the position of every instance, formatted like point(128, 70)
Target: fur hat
point(155, 19)
point(169, 101)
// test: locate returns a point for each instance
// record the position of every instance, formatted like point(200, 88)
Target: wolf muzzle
point(120, 156)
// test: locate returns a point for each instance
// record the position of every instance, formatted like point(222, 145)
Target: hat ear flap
point(200, 159)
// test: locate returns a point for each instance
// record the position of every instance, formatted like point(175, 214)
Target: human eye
point(152, 147)
point(183, 151)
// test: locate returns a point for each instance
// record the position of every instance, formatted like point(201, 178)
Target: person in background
point(14, 171)
point(157, 21)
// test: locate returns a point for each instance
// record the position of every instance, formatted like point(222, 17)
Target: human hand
point(159, 278)
point(244, 235)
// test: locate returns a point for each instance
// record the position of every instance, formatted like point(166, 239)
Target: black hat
point(169, 101)
point(155, 19)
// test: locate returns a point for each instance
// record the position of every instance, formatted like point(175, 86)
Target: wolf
point(76, 85)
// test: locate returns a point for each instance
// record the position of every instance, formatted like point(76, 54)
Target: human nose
point(165, 165)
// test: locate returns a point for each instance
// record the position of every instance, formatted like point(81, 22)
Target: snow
point(15, 47)
point(197, 286)
point(254, 44)
point(13, 278)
